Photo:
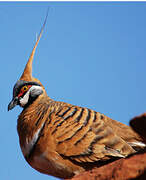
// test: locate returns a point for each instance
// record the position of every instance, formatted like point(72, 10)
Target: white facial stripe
point(34, 91)
point(24, 100)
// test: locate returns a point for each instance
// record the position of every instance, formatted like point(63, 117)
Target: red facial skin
point(22, 91)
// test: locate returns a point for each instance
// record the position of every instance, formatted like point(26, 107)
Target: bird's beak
point(13, 103)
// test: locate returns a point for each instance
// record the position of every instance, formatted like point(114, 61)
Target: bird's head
point(25, 92)
point(27, 88)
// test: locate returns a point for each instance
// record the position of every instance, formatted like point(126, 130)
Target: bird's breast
point(30, 142)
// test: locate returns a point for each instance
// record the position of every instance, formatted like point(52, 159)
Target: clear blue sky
point(92, 54)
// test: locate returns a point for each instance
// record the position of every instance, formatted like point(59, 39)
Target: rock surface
point(131, 168)
point(139, 125)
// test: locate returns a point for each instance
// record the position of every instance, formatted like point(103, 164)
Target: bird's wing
point(83, 136)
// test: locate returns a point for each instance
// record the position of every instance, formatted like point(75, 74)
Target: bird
point(61, 139)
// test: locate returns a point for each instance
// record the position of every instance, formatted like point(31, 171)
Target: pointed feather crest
point(27, 73)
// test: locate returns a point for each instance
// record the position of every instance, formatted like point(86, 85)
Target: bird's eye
point(24, 88)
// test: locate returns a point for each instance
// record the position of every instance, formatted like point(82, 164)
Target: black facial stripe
point(20, 84)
